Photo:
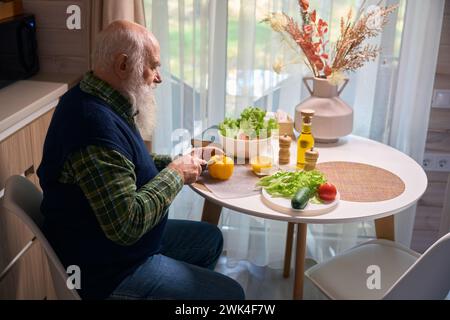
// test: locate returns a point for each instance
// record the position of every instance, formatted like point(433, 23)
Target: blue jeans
point(183, 269)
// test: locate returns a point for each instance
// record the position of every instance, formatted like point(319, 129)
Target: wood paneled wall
point(430, 207)
point(61, 50)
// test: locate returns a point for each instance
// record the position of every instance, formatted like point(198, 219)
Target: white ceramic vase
point(333, 118)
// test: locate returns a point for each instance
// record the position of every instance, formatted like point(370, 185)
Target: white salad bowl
point(244, 149)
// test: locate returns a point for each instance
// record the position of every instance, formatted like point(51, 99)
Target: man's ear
point(121, 67)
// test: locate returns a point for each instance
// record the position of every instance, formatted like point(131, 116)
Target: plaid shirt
point(108, 180)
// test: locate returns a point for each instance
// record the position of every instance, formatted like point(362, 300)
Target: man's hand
point(206, 153)
point(188, 167)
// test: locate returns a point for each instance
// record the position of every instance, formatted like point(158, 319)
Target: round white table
point(351, 149)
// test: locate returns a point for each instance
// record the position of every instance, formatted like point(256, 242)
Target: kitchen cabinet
point(27, 277)
point(16, 155)
point(21, 255)
point(14, 236)
point(21, 153)
point(25, 114)
point(38, 131)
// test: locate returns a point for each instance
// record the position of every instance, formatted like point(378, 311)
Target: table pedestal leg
point(300, 261)
point(385, 228)
point(288, 249)
point(211, 212)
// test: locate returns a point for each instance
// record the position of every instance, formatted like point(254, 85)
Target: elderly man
point(106, 199)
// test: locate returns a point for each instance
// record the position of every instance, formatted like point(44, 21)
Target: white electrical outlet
point(436, 162)
point(428, 162)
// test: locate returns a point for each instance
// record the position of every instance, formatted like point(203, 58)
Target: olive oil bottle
point(306, 140)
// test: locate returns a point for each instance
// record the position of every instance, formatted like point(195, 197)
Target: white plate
point(284, 205)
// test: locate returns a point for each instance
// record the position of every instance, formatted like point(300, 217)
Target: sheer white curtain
point(251, 81)
point(217, 59)
point(411, 103)
point(192, 35)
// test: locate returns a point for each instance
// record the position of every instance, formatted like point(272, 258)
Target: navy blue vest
point(71, 227)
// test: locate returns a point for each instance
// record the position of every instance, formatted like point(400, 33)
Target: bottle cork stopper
point(307, 112)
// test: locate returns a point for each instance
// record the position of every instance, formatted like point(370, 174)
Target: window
point(188, 29)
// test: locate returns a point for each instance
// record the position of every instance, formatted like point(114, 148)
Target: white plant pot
point(333, 118)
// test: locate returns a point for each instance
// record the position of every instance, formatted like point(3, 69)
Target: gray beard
point(143, 102)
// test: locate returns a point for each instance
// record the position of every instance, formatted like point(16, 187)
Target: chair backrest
point(428, 277)
point(23, 199)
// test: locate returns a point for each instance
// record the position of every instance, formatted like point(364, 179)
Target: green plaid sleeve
point(108, 181)
point(161, 161)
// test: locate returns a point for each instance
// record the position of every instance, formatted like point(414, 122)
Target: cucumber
point(301, 198)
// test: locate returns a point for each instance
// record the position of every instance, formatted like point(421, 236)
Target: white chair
point(404, 274)
point(23, 199)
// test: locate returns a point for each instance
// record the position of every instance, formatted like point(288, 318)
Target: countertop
point(24, 101)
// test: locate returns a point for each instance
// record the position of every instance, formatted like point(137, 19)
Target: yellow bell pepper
point(221, 167)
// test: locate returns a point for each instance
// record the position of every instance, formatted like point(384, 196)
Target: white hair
point(114, 41)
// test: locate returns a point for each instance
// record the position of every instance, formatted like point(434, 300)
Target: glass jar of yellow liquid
point(263, 162)
point(306, 140)
point(261, 165)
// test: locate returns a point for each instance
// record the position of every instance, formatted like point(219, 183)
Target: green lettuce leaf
point(251, 123)
point(285, 184)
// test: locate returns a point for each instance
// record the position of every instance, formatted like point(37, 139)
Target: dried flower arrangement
point(348, 53)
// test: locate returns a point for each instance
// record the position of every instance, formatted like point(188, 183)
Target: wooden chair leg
point(288, 249)
point(211, 212)
point(385, 228)
point(300, 261)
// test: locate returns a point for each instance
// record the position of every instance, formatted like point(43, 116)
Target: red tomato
point(327, 192)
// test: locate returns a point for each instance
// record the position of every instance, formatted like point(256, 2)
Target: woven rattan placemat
point(360, 182)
